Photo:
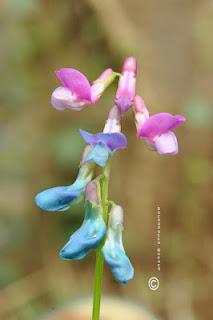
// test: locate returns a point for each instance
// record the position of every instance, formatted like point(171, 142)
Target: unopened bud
point(100, 85)
point(113, 123)
point(130, 64)
point(126, 86)
point(116, 215)
point(140, 111)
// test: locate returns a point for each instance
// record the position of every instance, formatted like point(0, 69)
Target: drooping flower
point(113, 250)
point(60, 198)
point(92, 230)
point(76, 92)
point(157, 129)
point(126, 87)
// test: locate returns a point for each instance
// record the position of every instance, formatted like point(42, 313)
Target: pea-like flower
point(113, 250)
point(107, 142)
point(157, 129)
point(104, 145)
point(76, 92)
point(60, 198)
point(92, 230)
point(126, 86)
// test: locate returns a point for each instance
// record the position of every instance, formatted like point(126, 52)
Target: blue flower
point(104, 144)
point(60, 198)
point(113, 250)
point(88, 236)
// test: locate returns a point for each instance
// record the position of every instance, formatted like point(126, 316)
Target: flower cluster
point(76, 93)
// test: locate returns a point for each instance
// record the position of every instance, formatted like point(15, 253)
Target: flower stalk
point(104, 188)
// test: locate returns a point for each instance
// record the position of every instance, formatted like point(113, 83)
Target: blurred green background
point(41, 148)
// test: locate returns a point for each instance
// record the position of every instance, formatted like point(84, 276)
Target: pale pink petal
point(63, 98)
point(60, 98)
point(166, 143)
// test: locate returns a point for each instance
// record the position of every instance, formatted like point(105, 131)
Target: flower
point(60, 198)
point(92, 230)
point(104, 144)
point(107, 142)
point(113, 250)
point(76, 92)
point(157, 129)
point(126, 87)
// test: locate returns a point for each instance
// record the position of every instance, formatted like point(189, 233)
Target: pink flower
point(157, 129)
point(76, 92)
point(113, 123)
point(126, 86)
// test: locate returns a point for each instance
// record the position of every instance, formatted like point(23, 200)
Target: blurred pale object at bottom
point(112, 308)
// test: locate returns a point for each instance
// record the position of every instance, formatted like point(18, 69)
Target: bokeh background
point(40, 147)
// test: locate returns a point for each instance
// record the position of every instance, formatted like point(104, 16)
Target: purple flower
point(104, 144)
point(157, 129)
point(126, 86)
point(76, 92)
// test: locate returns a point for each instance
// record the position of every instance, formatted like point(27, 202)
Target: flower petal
point(60, 198)
point(160, 123)
point(114, 140)
point(126, 86)
point(76, 82)
point(99, 154)
point(89, 137)
point(118, 262)
point(113, 123)
point(87, 237)
point(166, 143)
point(113, 249)
point(56, 199)
point(124, 102)
point(61, 98)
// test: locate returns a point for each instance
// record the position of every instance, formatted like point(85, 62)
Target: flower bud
point(116, 216)
point(100, 85)
point(141, 113)
point(113, 123)
point(126, 86)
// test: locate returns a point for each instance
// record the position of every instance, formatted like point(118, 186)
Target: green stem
point(99, 257)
